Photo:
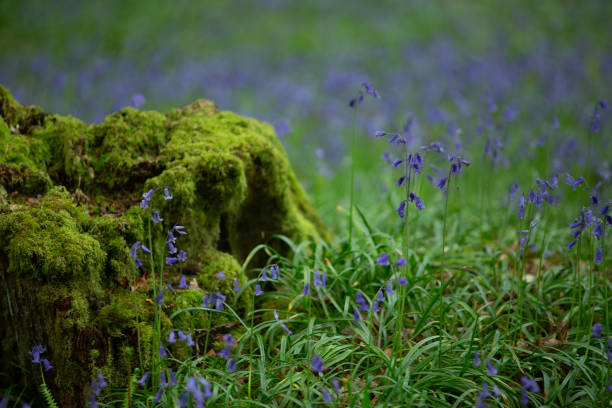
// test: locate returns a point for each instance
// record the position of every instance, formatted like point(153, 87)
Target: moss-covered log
point(69, 211)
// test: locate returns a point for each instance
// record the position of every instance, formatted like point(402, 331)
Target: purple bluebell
point(400, 210)
point(442, 183)
point(396, 163)
point(491, 369)
point(275, 271)
point(380, 133)
point(417, 201)
point(595, 120)
point(316, 364)
point(258, 291)
point(4, 402)
point(171, 248)
point(173, 380)
point(603, 104)
point(336, 385)
point(144, 204)
point(370, 90)
point(101, 381)
point(159, 299)
point(95, 388)
point(182, 336)
point(390, 290)
point(171, 260)
point(401, 262)
point(264, 274)
point(36, 351)
point(356, 316)
point(171, 337)
point(306, 290)
point(400, 181)
point(162, 379)
point(527, 385)
point(380, 296)
point(231, 365)
point(363, 305)
point(170, 288)
point(189, 342)
point(326, 395)
point(597, 330)
point(219, 299)
point(289, 332)
point(477, 361)
point(167, 195)
point(320, 280)
point(159, 395)
point(182, 283)
point(236, 287)
point(162, 350)
point(220, 275)
point(598, 255)
point(402, 281)
point(376, 307)
point(182, 256)
point(383, 259)
point(225, 353)
point(93, 402)
point(143, 379)
point(156, 218)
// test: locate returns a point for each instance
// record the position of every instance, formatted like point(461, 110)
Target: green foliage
point(48, 396)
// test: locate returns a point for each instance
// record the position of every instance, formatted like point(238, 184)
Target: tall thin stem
point(351, 202)
point(441, 320)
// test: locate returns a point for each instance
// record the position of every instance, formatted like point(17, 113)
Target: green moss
point(69, 212)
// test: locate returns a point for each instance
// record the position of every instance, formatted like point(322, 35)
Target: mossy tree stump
point(69, 210)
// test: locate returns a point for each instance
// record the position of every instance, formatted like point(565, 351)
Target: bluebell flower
point(258, 291)
point(156, 218)
point(159, 395)
point(491, 369)
point(95, 388)
point(401, 262)
point(326, 395)
point(162, 379)
point(173, 380)
point(380, 296)
point(275, 271)
point(400, 181)
point(417, 201)
point(159, 299)
point(289, 332)
point(236, 287)
point(189, 340)
point(171, 337)
point(595, 120)
point(356, 316)
point(219, 299)
point(363, 305)
point(144, 204)
point(380, 133)
point(598, 255)
point(390, 290)
point(93, 402)
point(336, 385)
point(442, 183)
point(528, 385)
point(182, 256)
point(306, 290)
point(182, 283)
point(603, 104)
point(264, 275)
point(229, 339)
point(182, 336)
point(383, 259)
point(167, 195)
point(318, 280)
point(4, 402)
point(402, 281)
point(220, 275)
point(171, 260)
point(170, 288)
point(162, 350)
point(225, 353)
point(46, 364)
point(597, 330)
point(376, 307)
point(143, 380)
point(231, 365)
point(316, 364)
point(370, 90)
point(171, 248)
point(477, 361)
point(101, 381)
point(207, 301)
point(400, 210)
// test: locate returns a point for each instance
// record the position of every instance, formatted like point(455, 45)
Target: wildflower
point(144, 204)
point(156, 218)
point(318, 281)
point(179, 229)
point(390, 290)
point(207, 301)
point(380, 296)
point(383, 259)
point(306, 290)
point(182, 282)
point(171, 248)
point(182, 336)
point(363, 305)
point(571, 245)
point(264, 275)
point(93, 403)
point(356, 316)
point(219, 299)
point(289, 332)
point(597, 330)
point(528, 385)
point(171, 260)
point(102, 381)
point(159, 395)
point(171, 337)
point(159, 299)
point(401, 208)
point(417, 201)
point(442, 183)
point(162, 381)
point(220, 275)
point(169, 286)
point(182, 256)
point(162, 350)
point(522, 207)
point(401, 262)
point(225, 353)
point(167, 195)
point(326, 395)
point(376, 307)
point(143, 380)
point(491, 369)
point(477, 361)
point(336, 385)
point(46, 364)
point(236, 288)
point(402, 281)
point(258, 291)
point(316, 364)
point(275, 271)
point(370, 90)
point(380, 133)
point(189, 340)
point(173, 380)
point(231, 365)
point(598, 255)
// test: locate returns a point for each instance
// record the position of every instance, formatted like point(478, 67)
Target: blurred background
point(497, 75)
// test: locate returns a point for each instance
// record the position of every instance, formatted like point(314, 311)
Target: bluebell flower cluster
point(200, 391)
point(359, 99)
point(316, 364)
point(181, 337)
point(96, 389)
point(528, 385)
point(215, 299)
point(134, 253)
point(229, 340)
point(36, 351)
